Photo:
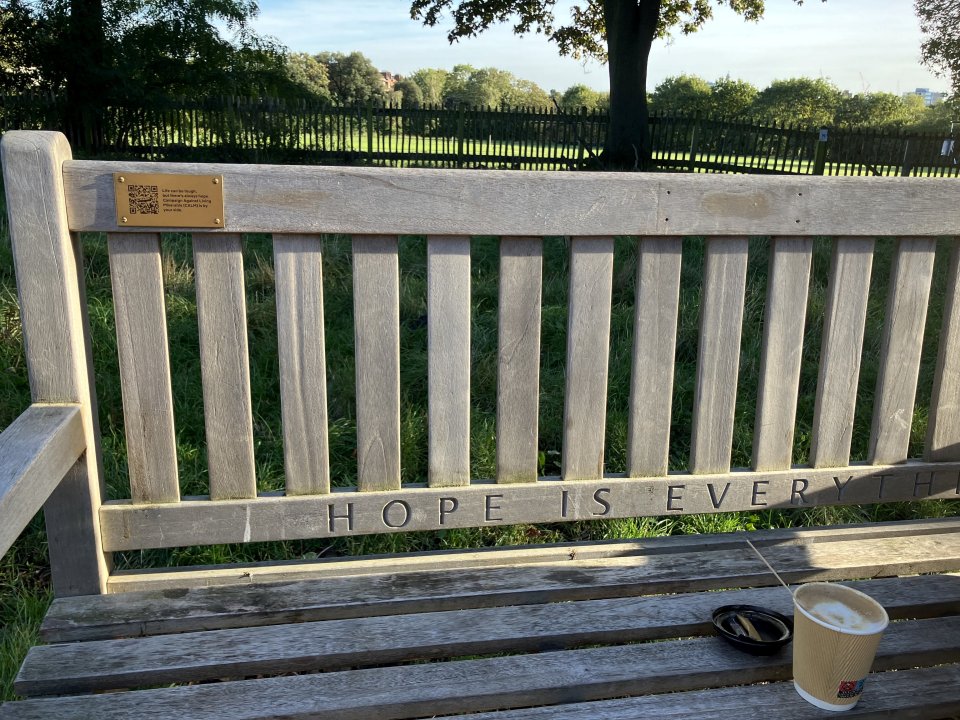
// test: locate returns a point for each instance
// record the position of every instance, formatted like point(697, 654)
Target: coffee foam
point(840, 615)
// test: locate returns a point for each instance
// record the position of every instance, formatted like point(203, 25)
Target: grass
point(24, 581)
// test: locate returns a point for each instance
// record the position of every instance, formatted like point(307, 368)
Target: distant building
point(929, 96)
point(389, 79)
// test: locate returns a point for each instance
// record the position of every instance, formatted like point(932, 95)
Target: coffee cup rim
point(846, 631)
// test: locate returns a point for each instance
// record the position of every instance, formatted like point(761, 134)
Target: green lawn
point(24, 587)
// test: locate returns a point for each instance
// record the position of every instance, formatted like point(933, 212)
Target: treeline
point(352, 79)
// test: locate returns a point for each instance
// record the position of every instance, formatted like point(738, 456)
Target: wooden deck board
point(485, 684)
point(392, 594)
point(336, 644)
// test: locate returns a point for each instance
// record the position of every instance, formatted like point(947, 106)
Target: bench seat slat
point(448, 373)
point(136, 273)
point(225, 365)
point(518, 358)
point(784, 314)
point(336, 644)
point(718, 353)
point(654, 346)
point(844, 321)
point(298, 268)
point(588, 352)
point(345, 597)
point(493, 683)
point(888, 695)
point(900, 350)
point(376, 309)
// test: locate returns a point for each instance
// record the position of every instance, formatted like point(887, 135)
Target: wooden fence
point(272, 130)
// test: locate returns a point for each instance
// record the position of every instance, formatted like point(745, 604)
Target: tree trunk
point(631, 26)
point(86, 74)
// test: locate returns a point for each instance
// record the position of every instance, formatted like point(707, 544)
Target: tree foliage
point(683, 94)
point(310, 74)
point(581, 96)
point(940, 24)
point(800, 101)
point(354, 79)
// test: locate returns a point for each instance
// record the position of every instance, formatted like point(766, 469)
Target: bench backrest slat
point(788, 279)
point(225, 365)
point(136, 274)
point(656, 312)
point(718, 357)
point(848, 292)
point(298, 274)
point(900, 348)
point(518, 358)
point(448, 361)
point(376, 310)
point(588, 353)
point(943, 421)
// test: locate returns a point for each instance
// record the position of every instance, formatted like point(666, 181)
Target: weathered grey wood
point(691, 570)
point(448, 373)
point(376, 303)
point(136, 273)
point(338, 644)
point(718, 355)
point(900, 350)
point(371, 200)
point(225, 365)
point(502, 682)
point(654, 347)
point(787, 281)
point(518, 358)
point(179, 578)
point(36, 451)
point(943, 421)
point(588, 353)
point(843, 328)
point(888, 695)
point(298, 269)
point(50, 288)
point(272, 517)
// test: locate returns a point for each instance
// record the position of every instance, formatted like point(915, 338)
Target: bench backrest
point(51, 197)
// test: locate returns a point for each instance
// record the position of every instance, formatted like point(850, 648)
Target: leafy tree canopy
point(732, 98)
point(682, 93)
point(799, 101)
point(581, 96)
point(310, 74)
point(354, 79)
point(940, 24)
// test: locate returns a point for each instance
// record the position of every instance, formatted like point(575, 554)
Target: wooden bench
point(611, 629)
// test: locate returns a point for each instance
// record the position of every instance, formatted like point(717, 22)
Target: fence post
point(694, 141)
point(370, 131)
point(907, 165)
point(820, 152)
point(461, 128)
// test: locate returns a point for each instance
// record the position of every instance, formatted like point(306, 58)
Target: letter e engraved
point(842, 487)
point(717, 502)
point(490, 507)
point(797, 496)
point(448, 505)
point(923, 483)
point(673, 496)
point(758, 493)
point(386, 513)
point(333, 517)
point(598, 498)
point(564, 502)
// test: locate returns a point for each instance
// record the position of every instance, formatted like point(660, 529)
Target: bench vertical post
point(49, 268)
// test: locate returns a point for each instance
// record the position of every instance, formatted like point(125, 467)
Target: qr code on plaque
point(144, 199)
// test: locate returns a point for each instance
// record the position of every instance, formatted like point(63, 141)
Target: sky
point(859, 45)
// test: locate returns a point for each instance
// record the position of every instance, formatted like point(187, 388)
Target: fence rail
point(273, 130)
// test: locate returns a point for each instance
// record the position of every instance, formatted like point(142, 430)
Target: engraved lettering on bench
point(447, 505)
point(599, 498)
point(333, 517)
point(918, 483)
point(386, 513)
point(883, 481)
point(489, 508)
point(758, 493)
point(717, 502)
point(842, 487)
point(800, 486)
point(565, 500)
point(673, 497)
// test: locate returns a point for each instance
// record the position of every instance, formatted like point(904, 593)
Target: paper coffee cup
point(836, 631)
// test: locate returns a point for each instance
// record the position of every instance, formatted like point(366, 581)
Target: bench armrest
point(36, 451)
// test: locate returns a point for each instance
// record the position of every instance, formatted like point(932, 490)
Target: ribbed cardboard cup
point(833, 654)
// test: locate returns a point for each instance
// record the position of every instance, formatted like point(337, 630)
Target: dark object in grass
point(753, 629)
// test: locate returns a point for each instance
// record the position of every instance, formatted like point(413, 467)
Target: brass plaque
point(168, 200)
